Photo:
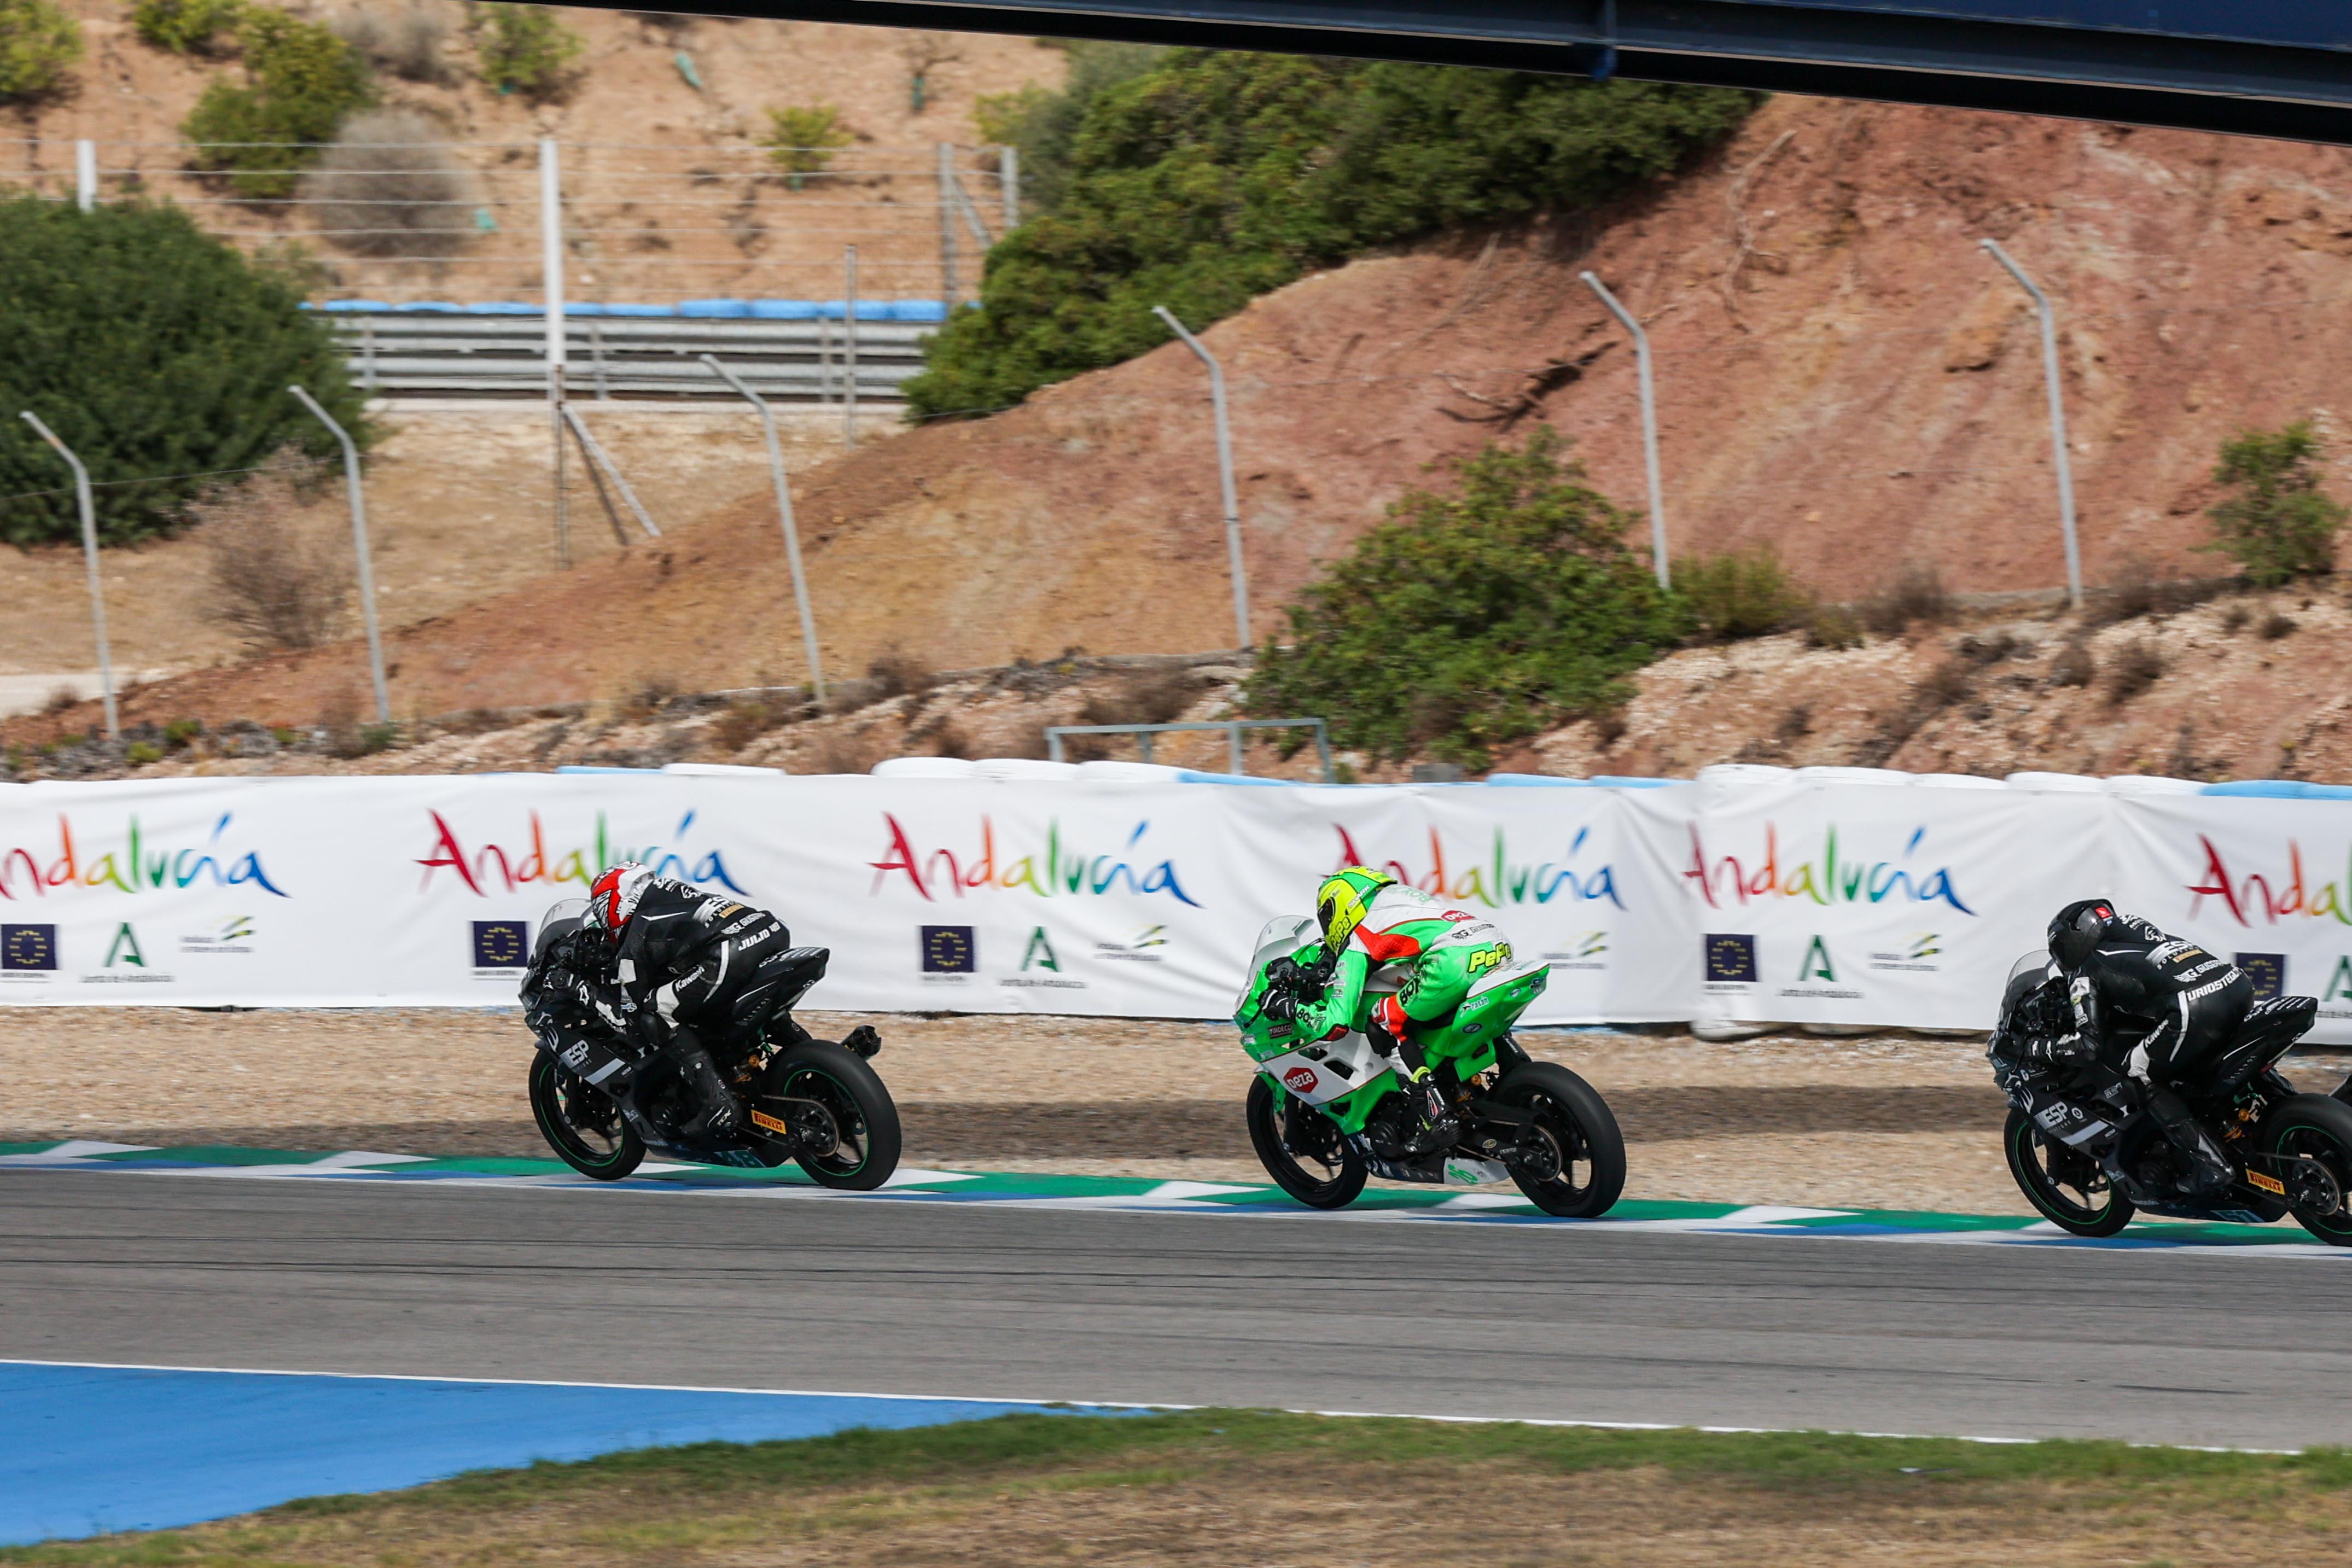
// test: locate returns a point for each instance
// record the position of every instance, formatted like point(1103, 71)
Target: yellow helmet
point(1341, 903)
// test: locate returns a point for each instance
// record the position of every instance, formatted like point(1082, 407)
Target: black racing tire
point(1295, 1177)
point(2043, 1169)
point(1581, 1122)
point(581, 1123)
point(2314, 1126)
point(861, 1107)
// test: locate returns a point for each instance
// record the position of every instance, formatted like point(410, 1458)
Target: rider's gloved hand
point(2057, 1050)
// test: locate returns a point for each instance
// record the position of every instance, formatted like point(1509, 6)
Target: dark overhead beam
point(2260, 68)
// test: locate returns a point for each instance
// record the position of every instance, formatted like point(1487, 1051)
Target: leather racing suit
point(690, 966)
point(1435, 952)
point(2169, 1008)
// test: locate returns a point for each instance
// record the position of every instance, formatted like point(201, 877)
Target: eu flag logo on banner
point(1730, 957)
point(2267, 971)
point(949, 950)
point(501, 944)
point(28, 947)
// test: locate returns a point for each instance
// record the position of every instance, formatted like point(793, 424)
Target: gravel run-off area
point(1881, 1122)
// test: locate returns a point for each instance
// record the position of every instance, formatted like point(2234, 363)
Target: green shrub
point(802, 140)
point(152, 349)
point(38, 44)
point(1742, 593)
point(1215, 177)
point(301, 83)
point(1469, 619)
point(2279, 525)
point(525, 49)
point(141, 753)
point(1043, 127)
point(187, 26)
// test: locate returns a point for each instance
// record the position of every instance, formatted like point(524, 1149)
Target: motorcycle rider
point(1369, 919)
point(666, 964)
point(2177, 1004)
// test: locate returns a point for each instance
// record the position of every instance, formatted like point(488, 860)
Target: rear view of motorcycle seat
point(2270, 1030)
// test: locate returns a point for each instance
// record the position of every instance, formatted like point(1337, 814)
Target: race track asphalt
point(1531, 1321)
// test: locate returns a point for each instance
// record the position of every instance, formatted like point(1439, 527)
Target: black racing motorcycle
point(2088, 1155)
point(602, 1103)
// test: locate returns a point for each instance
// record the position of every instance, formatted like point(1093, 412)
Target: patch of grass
point(2276, 625)
point(2138, 665)
point(1742, 593)
point(1833, 626)
point(1917, 597)
point(2234, 619)
point(899, 674)
point(650, 1505)
point(2074, 666)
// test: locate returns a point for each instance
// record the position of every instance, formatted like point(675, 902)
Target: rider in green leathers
point(1371, 921)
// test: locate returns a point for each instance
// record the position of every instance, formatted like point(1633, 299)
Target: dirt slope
point(1858, 382)
point(645, 149)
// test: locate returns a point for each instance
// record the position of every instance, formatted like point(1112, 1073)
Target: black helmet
point(2076, 930)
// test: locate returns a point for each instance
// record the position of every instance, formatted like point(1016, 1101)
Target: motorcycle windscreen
point(563, 918)
point(1280, 937)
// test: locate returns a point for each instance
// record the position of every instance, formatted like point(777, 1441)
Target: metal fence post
point(360, 549)
point(85, 174)
point(1008, 184)
point(89, 562)
point(1224, 472)
point(550, 250)
point(946, 156)
point(849, 348)
point(785, 512)
point(2057, 419)
point(1649, 426)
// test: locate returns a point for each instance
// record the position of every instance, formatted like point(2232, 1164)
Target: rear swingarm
point(806, 1127)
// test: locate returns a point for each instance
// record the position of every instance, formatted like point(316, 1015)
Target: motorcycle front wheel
point(2318, 1128)
point(581, 1123)
point(1591, 1171)
point(1303, 1150)
point(2066, 1185)
point(864, 1120)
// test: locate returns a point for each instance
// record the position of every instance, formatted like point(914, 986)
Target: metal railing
point(398, 354)
point(1232, 727)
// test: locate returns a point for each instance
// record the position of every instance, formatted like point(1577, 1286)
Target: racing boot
point(1435, 1127)
point(2210, 1169)
point(718, 1114)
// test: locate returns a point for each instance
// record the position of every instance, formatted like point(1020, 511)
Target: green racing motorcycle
point(1327, 1114)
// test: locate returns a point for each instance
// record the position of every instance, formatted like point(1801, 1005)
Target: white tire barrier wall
point(1749, 895)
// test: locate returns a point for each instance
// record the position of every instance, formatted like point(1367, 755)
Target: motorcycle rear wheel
point(865, 1117)
point(1582, 1123)
point(581, 1123)
point(1326, 1173)
point(2045, 1170)
point(2316, 1127)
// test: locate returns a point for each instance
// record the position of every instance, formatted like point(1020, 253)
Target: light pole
point(360, 549)
point(89, 561)
point(784, 511)
point(1649, 426)
point(2057, 419)
point(1225, 471)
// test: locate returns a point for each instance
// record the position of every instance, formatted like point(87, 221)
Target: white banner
point(1793, 900)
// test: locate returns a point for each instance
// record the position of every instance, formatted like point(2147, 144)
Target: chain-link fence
point(815, 271)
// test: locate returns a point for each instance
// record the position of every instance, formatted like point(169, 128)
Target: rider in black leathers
point(2175, 1005)
point(662, 963)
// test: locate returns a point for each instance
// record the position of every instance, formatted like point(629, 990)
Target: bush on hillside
point(1472, 619)
point(188, 26)
point(802, 140)
point(406, 42)
point(390, 187)
point(280, 577)
point(40, 46)
point(1742, 593)
point(1043, 127)
point(2279, 525)
point(524, 49)
point(1215, 177)
point(152, 349)
point(301, 83)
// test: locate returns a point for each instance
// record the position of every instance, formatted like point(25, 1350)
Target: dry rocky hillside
point(2169, 679)
point(1841, 372)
